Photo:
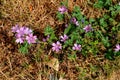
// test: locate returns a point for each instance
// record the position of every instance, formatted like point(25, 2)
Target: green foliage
point(117, 54)
point(103, 30)
point(49, 31)
point(65, 3)
point(72, 57)
point(105, 41)
point(24, 48)
point(103, 22)
point(68, 29)
point(80, 18)
point(99, 4)
point(60, 16)
point(109, 55)
point(103, 4)
point(106, 22)
point(77, 13)
point(77, 34)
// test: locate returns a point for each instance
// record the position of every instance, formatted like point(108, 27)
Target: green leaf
point(118, 9)
point(109, 55)
point(68, 43)
point(76, 9)
point(60, 16)
point(72, 57)
point(77, 13)
point(48, 30)
point(70, 29)
point(24, 48)
point(67, 30)
point(113, 14)
point(108, 2)
point(91, 20)
point(99, 4)
point(74, 36)
point(106, 16)
point(117, 53)
point(103, 22)
point(65, 3)
point(105, 41)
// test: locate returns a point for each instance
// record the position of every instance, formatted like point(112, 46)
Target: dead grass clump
point(39, 13)
point(34, 13)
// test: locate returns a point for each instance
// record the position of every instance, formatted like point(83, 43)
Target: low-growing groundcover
point(81, 49)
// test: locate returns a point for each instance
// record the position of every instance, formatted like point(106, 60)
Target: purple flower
point(117, 48)
point(21, 31)
point(64, 38)
point(62, 9)
point(15, 28)
point(56, 46)
point(46, 39)
point(74, 21)
point(48, 36)
point(27, 30)
point(77, 23)
point(31, 39)
point(66, 25)
point(19, 40)
point(77, 47)
point(17, 35)
point(88, 28)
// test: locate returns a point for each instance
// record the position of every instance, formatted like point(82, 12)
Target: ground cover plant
point(60, 40)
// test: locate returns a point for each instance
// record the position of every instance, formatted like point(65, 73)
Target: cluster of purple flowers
point(77, 47)
point(73, 20)
point(58, 46)
point(23, 34)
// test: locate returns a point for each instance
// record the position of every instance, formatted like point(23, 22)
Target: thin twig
point(3, 74)
point(9, 63)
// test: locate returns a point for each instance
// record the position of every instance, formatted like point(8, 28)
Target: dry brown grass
point(39, 13)
point(34, 13)
point(115, 75)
